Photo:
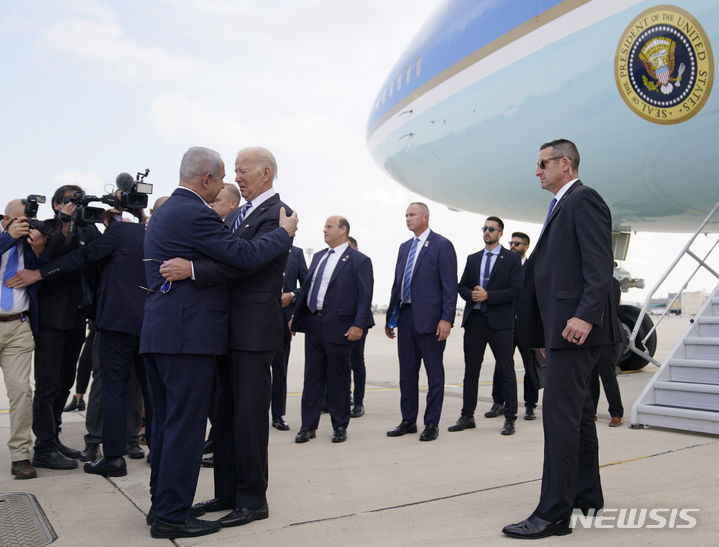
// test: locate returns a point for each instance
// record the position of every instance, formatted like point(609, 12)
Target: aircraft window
point(408, 75)
point(399, 81)
point(391, 89)
point(418, 67)
point(384, 95)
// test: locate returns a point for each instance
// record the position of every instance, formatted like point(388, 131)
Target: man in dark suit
point(64, 305)
point(333, 310)
point(422, 306)
point(256, 334)
point(531, 358)
point(185, 328)
point(565, 307)
point(20, 247)
point(295, 275)
point(359, 372)
point(121, 299)
point(490, 285)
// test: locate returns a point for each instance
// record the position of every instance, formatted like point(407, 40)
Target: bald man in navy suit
point(334, 311)
point(422, 306)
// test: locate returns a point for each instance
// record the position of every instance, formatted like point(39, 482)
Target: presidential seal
point(664, 66)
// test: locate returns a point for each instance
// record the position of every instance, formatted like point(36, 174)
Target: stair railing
point(701, 263)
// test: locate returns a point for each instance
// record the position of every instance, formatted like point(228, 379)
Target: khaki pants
point(16, 347)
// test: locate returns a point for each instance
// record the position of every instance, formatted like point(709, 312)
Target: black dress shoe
point(403, 428)
point(209, 447)
point(430, 433)
point(74, 404)
point(280, 424)
point(134, 452)
point(240, 517)
point(67, 451)
point(464, 422)
point(305, 435)
point(208, 462)
point(357, 411)
point(340, 435)
point(209, 506)
point(508, 428)
point(496, 410)
point(529, 413)
point(191, 528)
point(92, 453)
point(53, 460)
point(535, 528)
point(107, 467)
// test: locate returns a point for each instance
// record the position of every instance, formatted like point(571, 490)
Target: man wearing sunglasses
point(490, 284)
point(565, 307)
point(530, 358)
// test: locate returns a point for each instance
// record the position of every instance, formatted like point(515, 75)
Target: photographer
point(20, 246)
point(64, 305)
point(120, 309)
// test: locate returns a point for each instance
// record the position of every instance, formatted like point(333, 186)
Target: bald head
point(202, 170)
point(13, 210)
point(158, 202)
point(227, 200)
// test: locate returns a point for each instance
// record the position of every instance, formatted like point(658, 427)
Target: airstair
point(684, 392)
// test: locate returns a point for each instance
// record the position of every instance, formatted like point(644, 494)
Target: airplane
point(462, 113)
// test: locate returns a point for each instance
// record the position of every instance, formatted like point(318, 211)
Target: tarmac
point(375, 490)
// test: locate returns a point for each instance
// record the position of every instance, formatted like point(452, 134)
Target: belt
point(403, 305)
point(318, 313)
point(13, 317)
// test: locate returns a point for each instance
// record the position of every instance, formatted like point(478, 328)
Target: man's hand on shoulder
point(288, 222)
point(176, 269)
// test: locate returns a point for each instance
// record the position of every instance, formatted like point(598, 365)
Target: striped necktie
point(242, 215)
point(407, 282)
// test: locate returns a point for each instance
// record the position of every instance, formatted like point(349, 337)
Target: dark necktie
point(6, 293)
point(485, 279)
point(312, 304)
point(549, 214)
point(407, 283)
point(242, 215)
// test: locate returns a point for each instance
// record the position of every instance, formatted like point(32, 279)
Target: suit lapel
point(556, 209)
point(498, 263)
point(343, 261)
point(422, 252)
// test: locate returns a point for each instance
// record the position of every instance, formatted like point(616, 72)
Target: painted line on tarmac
point(499, 486)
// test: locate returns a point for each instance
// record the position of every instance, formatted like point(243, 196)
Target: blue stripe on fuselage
point(457, 30)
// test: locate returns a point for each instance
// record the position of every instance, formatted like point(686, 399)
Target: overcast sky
point(94, 88)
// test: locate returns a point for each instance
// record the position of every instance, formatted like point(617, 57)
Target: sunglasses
point(489, 229)
point(543, 163)
point(165, 287)
point(517, 243)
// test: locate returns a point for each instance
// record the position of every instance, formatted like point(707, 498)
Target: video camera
point(131, 195)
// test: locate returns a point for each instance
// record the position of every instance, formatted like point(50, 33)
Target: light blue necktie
point(6, 296)
point(407, 283)
point(312, 305)
point(242, 215)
